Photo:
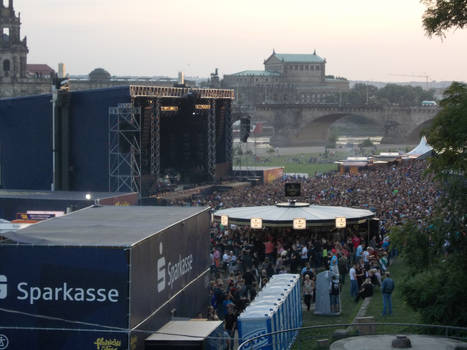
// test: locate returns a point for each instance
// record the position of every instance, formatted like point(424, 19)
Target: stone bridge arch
point(299, 124)
point(416, 134)
point(317, 130)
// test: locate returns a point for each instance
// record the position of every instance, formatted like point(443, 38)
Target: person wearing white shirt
point(353, 282)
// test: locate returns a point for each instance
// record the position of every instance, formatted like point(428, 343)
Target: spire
point(314, 52)
point(273, 51)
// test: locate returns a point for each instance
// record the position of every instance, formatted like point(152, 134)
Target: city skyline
point(362, 40)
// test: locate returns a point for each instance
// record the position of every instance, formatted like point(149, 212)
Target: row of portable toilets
point(277, 307)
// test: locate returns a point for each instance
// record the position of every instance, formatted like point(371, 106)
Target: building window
point(6, 65)
point(6, 34)
point(317, 67)
point(306, 67)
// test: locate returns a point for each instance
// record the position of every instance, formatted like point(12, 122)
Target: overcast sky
point(361, 39)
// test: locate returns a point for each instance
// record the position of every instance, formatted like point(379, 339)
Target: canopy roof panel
point(275, 215)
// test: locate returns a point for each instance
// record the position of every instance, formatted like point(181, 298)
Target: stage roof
point(104, 226)
point(283, 216)
point(58, 195)
point(256, 168)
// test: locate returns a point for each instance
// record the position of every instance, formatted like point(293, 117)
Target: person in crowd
point(342, 265)
point(211, 314)
point(304, 255)
point(366, 290)
point(387, 288)
point(334, 291)
point(333, 265)
point(307, 291)
point(307, 271)
point(359, 251)
point(361, 273)
point(383, 262)
point(230, 324)
point(219, 295)
point(269, 249)
point(353, 281)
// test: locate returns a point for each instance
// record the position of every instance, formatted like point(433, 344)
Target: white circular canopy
point(283, 214)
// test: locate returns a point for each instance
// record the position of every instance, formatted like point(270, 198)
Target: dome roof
point(99, 74)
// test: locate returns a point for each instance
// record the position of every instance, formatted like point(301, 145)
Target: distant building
point(287, 78)
point(17, 78)
point(39, 71)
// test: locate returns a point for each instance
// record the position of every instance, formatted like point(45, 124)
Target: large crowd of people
point(242, 260)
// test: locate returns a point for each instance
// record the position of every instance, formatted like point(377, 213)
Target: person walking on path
point(387, 288)
point(307, 291)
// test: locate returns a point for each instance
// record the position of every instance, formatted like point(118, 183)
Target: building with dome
point(287, 78)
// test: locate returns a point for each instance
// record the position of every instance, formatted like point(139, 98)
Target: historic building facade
point(17, 78)
point(287, 78)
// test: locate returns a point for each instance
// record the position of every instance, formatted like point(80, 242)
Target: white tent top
point(422, 148)
point(283, 214)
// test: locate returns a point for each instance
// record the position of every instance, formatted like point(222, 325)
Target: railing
point(304, 341)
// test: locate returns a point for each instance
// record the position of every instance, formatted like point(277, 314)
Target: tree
point(448, 132)
point(367, 143)
point(360, 94)
point(442, 15)
point(435, 254)
point(402, 95)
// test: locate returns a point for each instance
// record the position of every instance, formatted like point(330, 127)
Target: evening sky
point(361, 39)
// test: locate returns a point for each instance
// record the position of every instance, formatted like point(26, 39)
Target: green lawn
point(307, 338)
point(293, 164)
point(401, 312)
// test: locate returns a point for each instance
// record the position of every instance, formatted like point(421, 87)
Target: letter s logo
point(3, 287)
point(160, 271)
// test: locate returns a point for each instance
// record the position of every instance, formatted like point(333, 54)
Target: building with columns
point(287, 78)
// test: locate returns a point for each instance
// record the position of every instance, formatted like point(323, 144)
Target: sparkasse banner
point(66, 287)
point(166, 263)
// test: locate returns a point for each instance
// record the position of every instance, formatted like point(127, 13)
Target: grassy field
point(307, 338)
point(401, 312)
point(293, 164)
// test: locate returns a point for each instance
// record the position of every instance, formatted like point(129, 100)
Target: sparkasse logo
point(4, 342)
point(168, 274)
point(3, 287)
point(161, 270)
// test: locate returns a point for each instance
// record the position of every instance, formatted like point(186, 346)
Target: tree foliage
point(435, 253)
point(367, 143)
point(391, 94)
point(448, 132)
point(403, 95)
point(442, 15)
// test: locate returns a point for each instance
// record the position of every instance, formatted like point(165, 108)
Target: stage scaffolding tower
point(125, 148)
point(211, 166)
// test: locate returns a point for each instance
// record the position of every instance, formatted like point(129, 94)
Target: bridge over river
point(308, 124)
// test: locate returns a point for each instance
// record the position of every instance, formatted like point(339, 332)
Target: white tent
point(422, 150)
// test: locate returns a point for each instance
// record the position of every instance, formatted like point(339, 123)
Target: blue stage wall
point(26, 140)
